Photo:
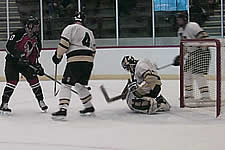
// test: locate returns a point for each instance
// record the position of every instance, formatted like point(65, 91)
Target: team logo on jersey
point(29, 46)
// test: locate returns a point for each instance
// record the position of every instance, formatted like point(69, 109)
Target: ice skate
point(60, 115)
point(88, 111)
point(4, 109)
point(162, 104)
point(43, 106)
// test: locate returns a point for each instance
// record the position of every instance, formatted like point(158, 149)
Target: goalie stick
point(121, 96)
point(162, 67)
point(106, 95)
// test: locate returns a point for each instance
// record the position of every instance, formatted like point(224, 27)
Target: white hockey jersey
point(192, 30)
point(78, 43)
point(142, 67)
point(147, 78)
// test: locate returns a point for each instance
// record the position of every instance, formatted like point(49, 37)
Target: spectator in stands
point(197, 13)
point(54, 8)
point(67, 7)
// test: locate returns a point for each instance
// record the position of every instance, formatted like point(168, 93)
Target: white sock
point(88, 104)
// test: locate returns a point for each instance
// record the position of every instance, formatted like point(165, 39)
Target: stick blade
point(106, 95)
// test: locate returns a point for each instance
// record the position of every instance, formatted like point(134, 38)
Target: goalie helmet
point(30, 24)
point(129, 63)
point(79, 16)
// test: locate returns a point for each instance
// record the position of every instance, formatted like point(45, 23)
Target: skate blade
point(44, 111)
point(163, 108)
point(90, 114)
point(5, 113)
point(59, 118)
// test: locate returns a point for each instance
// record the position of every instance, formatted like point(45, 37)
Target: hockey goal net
point(202, 77)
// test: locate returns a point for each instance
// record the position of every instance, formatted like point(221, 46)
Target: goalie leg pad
point(202, 85)
point(188, 84)
point(145, 105)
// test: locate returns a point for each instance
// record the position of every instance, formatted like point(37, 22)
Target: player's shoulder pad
point(20, 32)
point(193, 25)
point(68, 27)
point(17, 35)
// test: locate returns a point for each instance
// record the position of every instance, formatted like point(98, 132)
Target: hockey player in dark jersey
point(23, 49)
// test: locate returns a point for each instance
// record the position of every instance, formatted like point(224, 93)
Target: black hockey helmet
point(32, 21)
point(129, 63)
point(79, 16)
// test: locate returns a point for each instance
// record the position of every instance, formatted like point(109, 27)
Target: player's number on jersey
point(12, 37)
point(86, 40)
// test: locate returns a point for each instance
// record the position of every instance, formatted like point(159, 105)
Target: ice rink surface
point(115, 127)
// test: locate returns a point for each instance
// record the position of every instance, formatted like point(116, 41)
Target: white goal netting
point(202, 75)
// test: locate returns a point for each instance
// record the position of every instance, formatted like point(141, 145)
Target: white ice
point(115, 127)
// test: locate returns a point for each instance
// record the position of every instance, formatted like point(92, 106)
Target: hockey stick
point(162, 67)
point(55, 86)
point(121, 96)
point(48, 76)
point(106, 95)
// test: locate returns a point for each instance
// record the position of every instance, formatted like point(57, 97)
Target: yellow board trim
point(115, 77)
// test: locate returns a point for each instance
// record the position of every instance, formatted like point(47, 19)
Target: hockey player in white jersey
point(78, 43)
point(197, 59)
point(142, 92)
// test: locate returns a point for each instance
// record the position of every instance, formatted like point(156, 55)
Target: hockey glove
point(40, 70)
point(133, 88)
point(55, 59)
point(22, 61)
point(176, 61)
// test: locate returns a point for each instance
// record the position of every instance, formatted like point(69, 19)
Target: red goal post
point(217, 61)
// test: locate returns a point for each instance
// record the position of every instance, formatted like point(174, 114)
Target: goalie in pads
point(197, 62)
point(142, 91)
